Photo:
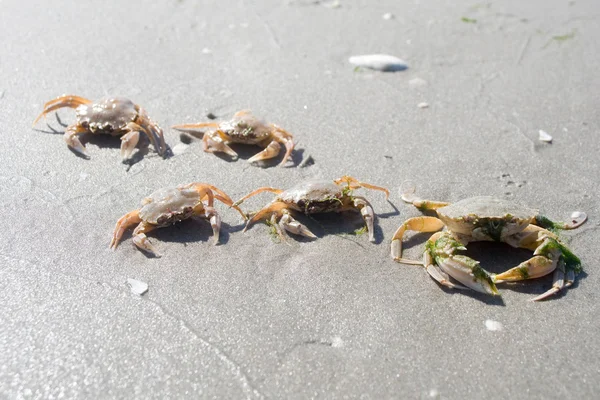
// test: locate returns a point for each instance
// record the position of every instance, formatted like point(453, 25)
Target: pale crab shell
point(315, 196)
point(465, 215)
point(168, 205)
point(246, 128)
point(110, 114)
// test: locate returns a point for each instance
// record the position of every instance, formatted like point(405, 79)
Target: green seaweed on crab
point(273, 231)
point(493, 228)
point(443, 249)
point(570, 260)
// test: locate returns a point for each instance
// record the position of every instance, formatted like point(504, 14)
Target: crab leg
point(218, 194)
point(257, 191)
point(408, 196)
point(361, 204)
point(419, 224)
point(278, 228)
point(425, 205)
point(123, 224)
point(213, 142)
point(276, 207)
point(559, 283)
point(195, 127)
point(73, 141)
point(285, 138)
point(272, 150)
point(354, 183)
point(60, 102)
point(577, 219)
point(152, 130)
point(141, 240)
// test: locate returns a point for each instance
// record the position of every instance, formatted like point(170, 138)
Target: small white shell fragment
point(492, 325)
point(137, 287)
point(206, 50)
point(423, 105)
point(179, 148)
point(337, 341)
point(379, 62)
point(333, 4)
point(545, 137)
point(577, 219)
point(83, 176)
point(388, 16)
point(417, 82)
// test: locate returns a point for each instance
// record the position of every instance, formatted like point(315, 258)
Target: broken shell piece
point(333, 4)
point(545, 137)
point(388, 16)
point(179, 148)
point(423, 105)
point(577, 219)
point(417, 82)
point(137, 287)
point(379, 62)
point(492, 325)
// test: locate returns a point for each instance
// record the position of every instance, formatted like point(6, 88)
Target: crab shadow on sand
point(194, 230)
point(347, 224)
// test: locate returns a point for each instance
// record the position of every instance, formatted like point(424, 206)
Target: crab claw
point(550, 255)
point(288, 223)
point(440, 251)
point(73, 141)
point(128, 143)
point(468, 272)
point(142, 243)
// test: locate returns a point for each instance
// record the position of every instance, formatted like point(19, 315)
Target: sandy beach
point(329, 318)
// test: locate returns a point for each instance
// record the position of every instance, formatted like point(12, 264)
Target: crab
point(487, 218)
point(168, 206)
point(247, 129)
point(312, 197)
point(115, 116)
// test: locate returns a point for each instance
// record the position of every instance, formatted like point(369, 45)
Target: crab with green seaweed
point(486, 218)
point(312, 197)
